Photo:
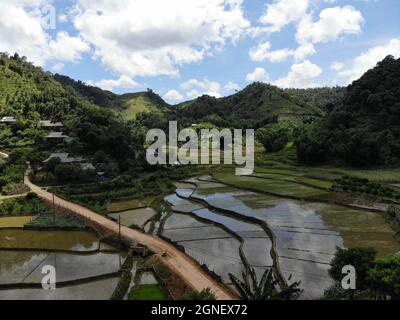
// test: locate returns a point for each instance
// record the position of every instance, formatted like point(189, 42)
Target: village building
point(64, 158)
point(8, 120)
point(46, 124)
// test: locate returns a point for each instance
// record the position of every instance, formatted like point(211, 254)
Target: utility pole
point(119, 228)
point(54, 212)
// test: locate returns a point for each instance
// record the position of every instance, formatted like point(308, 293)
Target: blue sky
point(182, 49)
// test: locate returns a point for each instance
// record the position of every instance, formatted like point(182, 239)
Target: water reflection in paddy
point(206, 243)
point(306, 234)
point(137, 217)
point(53, 240)
point(96, 290)
point(18, 267)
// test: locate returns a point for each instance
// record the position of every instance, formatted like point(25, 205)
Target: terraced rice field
point(76, 256)
point(214, 222)
point(136, 217)
point(95, 290)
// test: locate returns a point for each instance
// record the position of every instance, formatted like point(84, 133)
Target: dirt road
point(188, 269)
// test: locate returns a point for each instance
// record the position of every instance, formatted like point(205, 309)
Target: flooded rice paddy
point(215, 222)
point(77, 257)
point(136, 217)
point(95, 290)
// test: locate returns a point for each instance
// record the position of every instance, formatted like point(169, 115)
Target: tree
point(66, 172)
point(267, 289)
point(384, 278)
point(362, 259)
point(205, 294)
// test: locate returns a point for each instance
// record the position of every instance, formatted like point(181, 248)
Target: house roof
point(49, 124)
point(64, 157)
point(8, 119)
point(56, 135)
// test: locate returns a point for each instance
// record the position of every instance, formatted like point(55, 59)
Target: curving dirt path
point(184, 266)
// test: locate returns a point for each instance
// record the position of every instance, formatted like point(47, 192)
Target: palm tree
point(250, 289)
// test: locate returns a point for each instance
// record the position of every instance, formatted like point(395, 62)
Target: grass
point(361, 229)
point(283, 188)
point(135, 105)
point(152, 292)
point(15, 222)
point(59, 221)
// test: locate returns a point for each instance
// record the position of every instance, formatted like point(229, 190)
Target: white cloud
point(337, 66)
point(231, 86)
point(259, 74)
point(124, 82)
point(301, 75)
point(67, 48)
point(153, 37)
point(280, 13)
point(22, 31)
point(57, 67)
point(263, 52)
point(201, 87)
point(173, 95)
point(370, 58)
point(332, 24)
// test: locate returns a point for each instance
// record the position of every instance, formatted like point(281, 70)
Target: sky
point(186, 48)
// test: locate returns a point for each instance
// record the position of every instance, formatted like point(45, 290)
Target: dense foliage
point(366, 130)
point(254, 107)
point(30, 95)
point(326, 99)
point(276, 136)
point(29, 205)
point(362, 259)
point(362, 185)
point(376, 279)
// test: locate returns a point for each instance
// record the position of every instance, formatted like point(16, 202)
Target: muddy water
point(306, 234)
point(26, 267)
point(206, 243)
point(54, 240)
point(137, 217)
point(96, 290)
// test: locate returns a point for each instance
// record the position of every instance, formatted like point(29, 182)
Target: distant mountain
point(92, 94)
point(134, 103)
point(130, 104)
point(256, 104)
point(366, 129)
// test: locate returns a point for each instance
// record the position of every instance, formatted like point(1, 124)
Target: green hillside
point(128, 105)
point(255, 106)
point(366, 129)
point(132, 104)
point(30, 95)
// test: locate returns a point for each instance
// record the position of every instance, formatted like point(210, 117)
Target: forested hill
point(130, 104)
point(30, 95)
point(324, 98)
point(255, 106)
point(92, 94)
point(366, 129)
